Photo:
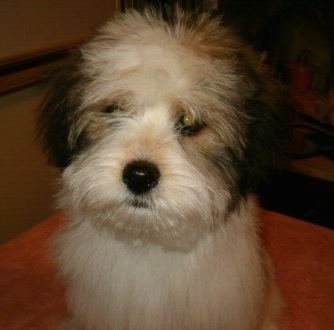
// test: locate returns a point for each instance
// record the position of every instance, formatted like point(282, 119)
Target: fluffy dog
point(163, 128)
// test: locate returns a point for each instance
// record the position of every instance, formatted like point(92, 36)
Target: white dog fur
point(163, 128)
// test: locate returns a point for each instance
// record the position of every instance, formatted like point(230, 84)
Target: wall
point(27, 27)
point(26, 182)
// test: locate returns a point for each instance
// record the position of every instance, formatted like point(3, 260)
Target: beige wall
point(36, 25)
point(26, 182)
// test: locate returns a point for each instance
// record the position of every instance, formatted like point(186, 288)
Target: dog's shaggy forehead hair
point(155, 60)
point(201, 33)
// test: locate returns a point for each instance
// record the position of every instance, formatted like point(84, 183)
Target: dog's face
point(162, 127)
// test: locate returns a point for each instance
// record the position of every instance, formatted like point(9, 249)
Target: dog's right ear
point(57, 115)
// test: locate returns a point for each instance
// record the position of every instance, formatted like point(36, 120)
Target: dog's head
point(161, 117)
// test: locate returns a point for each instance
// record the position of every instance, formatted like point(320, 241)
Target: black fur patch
point(265, 130)
point(57, 117)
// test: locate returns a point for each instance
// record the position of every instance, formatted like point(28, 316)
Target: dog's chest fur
point(135, 286)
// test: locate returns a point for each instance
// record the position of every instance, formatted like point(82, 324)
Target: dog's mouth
point(139, 204)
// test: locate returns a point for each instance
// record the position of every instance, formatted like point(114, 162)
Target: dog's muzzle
point(140, 176)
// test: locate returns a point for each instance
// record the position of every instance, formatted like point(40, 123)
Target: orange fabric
point(31, 296)
point(303, 255)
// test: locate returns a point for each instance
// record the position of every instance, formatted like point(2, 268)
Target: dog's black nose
point(140, 176)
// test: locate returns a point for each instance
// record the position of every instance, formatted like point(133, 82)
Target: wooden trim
point(20, 72)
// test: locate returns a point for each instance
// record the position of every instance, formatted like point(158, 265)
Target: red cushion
point(31, 296)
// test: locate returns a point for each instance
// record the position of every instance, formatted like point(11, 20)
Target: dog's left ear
point(266, 140)
point(57, 117)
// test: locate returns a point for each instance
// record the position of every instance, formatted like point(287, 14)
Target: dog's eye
point(187, 120)
point(111, 109)
point(188, 125)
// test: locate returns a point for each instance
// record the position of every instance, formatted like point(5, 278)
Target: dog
point(162, 128)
